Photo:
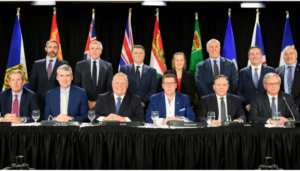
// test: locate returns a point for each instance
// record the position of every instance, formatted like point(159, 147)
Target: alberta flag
point(229, 45)
point(16, 58)
point(157, 59)
point(257, 40)
point(126, 57)
point(91, 38)
point(287, 39)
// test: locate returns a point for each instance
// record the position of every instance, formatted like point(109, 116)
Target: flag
point(16, 58)
point(287, 39)
point(229, 45)
point(257, 40)
point(55, 35)
point(91, 37)
point(126, 57)
point(197, 54)
point(157, 59)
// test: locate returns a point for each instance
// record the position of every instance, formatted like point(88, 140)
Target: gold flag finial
point(229, 11)
point(157, 11)
point(54, 10)
point(196, 15)
point(18, 10)
point(130, 9)
point(257, 11)
point(93, 10)
point(287, 14)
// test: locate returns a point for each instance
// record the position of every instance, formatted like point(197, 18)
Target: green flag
point(197, 54)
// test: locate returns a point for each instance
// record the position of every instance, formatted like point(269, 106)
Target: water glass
point(228, 118)
point(154, 116)
point(91, 115)
point(276, 117)
point(210, 117)
point(35, 115)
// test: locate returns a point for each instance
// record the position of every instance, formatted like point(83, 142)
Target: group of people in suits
point(133, 94)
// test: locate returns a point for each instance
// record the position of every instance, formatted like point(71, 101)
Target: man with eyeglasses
point(170, 104)
point(264, 105)
point(223, 104)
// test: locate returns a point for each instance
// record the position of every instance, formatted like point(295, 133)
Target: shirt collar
point(141, 66)
point(218, 59)
point(97, 60)
point(115, 96)
point(19, 94)
point(53, 60)
point(68, 90)
point(270, 97)
point(218, 97)
point(294, 65)
point(253, 67)
point(166, 98)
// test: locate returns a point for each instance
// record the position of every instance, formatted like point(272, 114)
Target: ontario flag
point(16, 58)
point(55, 35)
point(257, 39)
point(126, 57)
point(157, 59)
point(91, 37)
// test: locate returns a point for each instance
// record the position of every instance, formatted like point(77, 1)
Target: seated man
point(17, 103)
point(67, 102)
point(265, 104)
point(170, 103)
point(119, 104)
point(222, 103)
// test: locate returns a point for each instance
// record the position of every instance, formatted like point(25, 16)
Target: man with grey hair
point(290, 74)
point(119, 104)
point(264, 105)
point(43, 73)
point(94, 74)
point(67, 102)
point(17, 103)
point(210, 68)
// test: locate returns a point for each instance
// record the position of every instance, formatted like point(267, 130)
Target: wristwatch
point(22, 120)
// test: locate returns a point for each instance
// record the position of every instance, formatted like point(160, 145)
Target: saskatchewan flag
point(157, 59)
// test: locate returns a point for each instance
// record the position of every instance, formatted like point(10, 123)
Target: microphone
point(289, 123)
point(49, 117)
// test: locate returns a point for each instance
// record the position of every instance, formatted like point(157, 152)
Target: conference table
point(148, 147)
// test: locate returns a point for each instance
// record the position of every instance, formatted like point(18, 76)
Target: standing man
point(142, 78)
point(94, 75)
point(210, 68)
point(290, 74)
point(42, 78)
point(251, 77)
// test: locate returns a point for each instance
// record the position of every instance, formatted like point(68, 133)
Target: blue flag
point(287, 39)
point(229, 45)
point(91, 37)
point(16, 58)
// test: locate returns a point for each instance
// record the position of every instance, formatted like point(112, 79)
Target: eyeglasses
point(273, 84)
point(172, 83)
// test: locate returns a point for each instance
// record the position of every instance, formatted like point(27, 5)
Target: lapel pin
point(297, 69)
point(177, 102)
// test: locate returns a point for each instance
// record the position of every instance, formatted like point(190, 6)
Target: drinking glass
point(91, 115)
point(210, 117)
point(154, 116)
point(228, 118)
point(35, 115)
point(277, 117)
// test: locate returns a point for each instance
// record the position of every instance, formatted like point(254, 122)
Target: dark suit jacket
point(83, 78)
point(260, 108)
point(205, 77)
point(28, 103)
point(188, 85)
point(210, 103)
point(77, 104)
point(246, 89)
point(131, 106)
point(148, 83)
point(39, 83)
point(158, 103)
point(296, 83)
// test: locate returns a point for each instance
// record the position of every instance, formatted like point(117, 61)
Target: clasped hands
point(113, 116)
point(219, 123)
point(62, 118)
point(11, 118)
point(173, 118)
point(280, 122)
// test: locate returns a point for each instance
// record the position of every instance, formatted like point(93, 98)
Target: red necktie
point(49, 69)
point(16, 106)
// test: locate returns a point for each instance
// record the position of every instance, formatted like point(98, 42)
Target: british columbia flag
point(91, 37)
point(127, 44)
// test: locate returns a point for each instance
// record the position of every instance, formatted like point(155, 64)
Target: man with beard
point(42, 78)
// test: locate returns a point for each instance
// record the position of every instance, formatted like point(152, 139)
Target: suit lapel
point(267, 104)
point(281, 104)
point(249, 73)
point(281, 74)
point(215, 102)
point(9, 102)
point(124, 104)
point(183, 80)
point(53, 73)
point(222, 65)
point(71, 100)
point(296, 76)
point(44, 71)
point(229, 106)
point(111, 103)
point(88, 69)
point(162, 104)
point(57, 101)
point(101, 73)
point(23, 98)
point(209, 69)
point(177, 104)
point(262, 73)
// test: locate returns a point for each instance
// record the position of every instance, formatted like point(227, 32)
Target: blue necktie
point(138, 75)
point(118, 105)
point(255, 77)
point(223, 111)
point(289, 79)
point(273, 105)
point(94, 76)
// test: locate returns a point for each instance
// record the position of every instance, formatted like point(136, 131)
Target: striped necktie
point(289, 79)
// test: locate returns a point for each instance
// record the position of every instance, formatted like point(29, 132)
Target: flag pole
point(18, 10)
point(130, 9)
point(287, 14)
point(157, 11)
point(196, 15)
point(54, 10)
point(229, 11)
point(257, 11)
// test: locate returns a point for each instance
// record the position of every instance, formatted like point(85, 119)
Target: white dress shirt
point(98, 68)
point(276, 104)
point(140, 69)
point(67, 98)
point(116, 101)
point(258, 71)
point(170, 109)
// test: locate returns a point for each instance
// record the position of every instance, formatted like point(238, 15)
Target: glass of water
point(91, 115)
point(228, 118)
point(154, 116)
point(210, 117)
point(35, 115)
point(277, 117)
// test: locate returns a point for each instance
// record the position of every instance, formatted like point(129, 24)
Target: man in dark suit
point(170, 103)
point(264, 105)
point(94, 75)
point(142, 78)
point(222, 103)
point(251, 77)
point(17, 103)
point(66, 102)
point(208, 69)
point(119, 104)
point(290, 74)
point(43, 74)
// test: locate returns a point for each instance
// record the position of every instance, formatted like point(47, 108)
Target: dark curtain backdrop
point(176, 21)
